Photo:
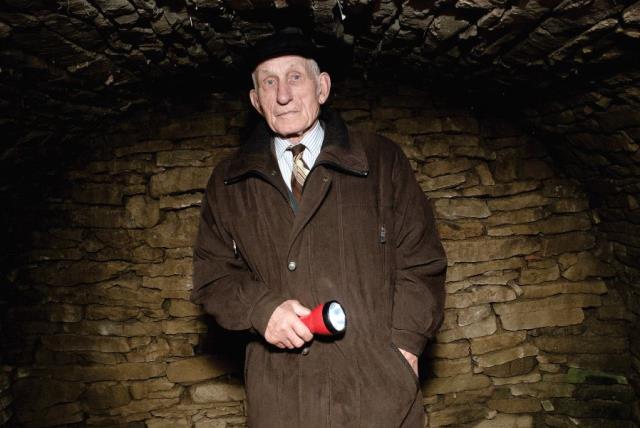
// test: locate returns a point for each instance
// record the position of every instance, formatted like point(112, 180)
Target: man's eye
point(270, 82)
point(296, 76)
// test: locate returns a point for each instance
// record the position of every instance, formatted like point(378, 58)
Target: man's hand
point(284, 329)
point(411, 359)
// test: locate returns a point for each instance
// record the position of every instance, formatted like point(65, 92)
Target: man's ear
point(324, 83)
point(255, 101)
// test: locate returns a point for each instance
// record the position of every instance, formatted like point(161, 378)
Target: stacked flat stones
point(595, 135)
point(535, 330)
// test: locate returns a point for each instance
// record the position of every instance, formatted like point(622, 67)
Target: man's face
point(289, 95)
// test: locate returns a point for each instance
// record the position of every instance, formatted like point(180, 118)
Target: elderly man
point(309, 211)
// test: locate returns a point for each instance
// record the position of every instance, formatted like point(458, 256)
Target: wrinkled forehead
point(281, 64)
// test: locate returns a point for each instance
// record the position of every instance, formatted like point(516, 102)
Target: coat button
point(291, 266)
point(305, 350)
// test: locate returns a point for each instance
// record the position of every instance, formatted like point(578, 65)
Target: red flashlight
point(326, 319)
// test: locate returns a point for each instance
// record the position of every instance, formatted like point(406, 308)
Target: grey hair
point(312, 67)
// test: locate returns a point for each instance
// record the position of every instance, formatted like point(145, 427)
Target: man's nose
point(284, 93)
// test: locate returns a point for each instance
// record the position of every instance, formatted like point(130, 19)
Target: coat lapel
point(338, 150)
point(256, 158)
point(314, 194)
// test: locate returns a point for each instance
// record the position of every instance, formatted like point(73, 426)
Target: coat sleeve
point(418, 304)
point(222, 282)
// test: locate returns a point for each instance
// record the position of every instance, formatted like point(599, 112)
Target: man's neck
point(296, 138)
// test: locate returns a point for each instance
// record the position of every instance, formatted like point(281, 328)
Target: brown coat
point(364, 235)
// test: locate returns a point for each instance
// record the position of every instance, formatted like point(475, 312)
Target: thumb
point(300, 310)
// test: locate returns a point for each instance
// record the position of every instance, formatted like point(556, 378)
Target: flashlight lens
point(337, 316)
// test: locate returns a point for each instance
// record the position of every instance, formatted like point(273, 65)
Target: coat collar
point(338, 151)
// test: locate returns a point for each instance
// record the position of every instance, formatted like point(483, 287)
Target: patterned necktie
point(299, 171)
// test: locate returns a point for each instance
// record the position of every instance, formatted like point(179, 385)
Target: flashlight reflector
point(336, 317)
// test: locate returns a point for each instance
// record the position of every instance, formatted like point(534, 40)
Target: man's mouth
point(285, 113)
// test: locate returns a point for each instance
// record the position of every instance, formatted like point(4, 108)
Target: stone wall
point(103, 333)
point(595, 134)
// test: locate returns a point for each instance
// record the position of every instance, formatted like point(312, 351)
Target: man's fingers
point(302, 331)
point(299, 327)
point(291, 338)
point(296, 342)
point(301, 311)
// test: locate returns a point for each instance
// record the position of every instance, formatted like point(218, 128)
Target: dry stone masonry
point(595, 135)
point(536, 330)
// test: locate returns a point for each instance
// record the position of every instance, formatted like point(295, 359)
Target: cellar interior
point(521, 120)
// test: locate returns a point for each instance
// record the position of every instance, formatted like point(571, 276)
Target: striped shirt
point(313, 143)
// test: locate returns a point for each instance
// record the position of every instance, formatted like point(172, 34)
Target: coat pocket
point(406, 366)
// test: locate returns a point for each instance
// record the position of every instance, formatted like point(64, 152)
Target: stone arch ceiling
point(83, 60)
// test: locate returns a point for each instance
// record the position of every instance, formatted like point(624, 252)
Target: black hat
point(287, 41)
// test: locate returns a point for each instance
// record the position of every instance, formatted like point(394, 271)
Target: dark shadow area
point(31, 178)
point(227, 345)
